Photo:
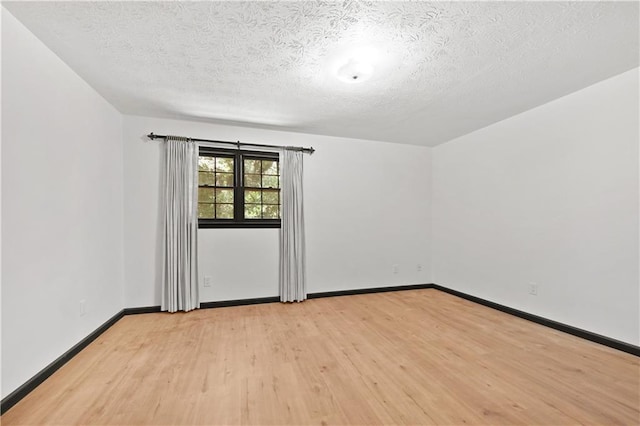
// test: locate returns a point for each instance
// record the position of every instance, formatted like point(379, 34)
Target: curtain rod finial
point(151, 136)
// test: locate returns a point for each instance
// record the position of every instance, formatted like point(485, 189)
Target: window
point(238, 189)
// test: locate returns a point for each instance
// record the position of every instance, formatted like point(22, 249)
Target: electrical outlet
point(207, 281)
point(396, 269)
point(83, 307)
point(533, 289)
point(419, 267)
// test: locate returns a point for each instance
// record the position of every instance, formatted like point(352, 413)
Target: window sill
point(204, 224)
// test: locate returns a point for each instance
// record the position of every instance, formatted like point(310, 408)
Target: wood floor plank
point(412, 357)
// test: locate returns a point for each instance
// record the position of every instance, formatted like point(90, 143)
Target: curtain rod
point(238, 144)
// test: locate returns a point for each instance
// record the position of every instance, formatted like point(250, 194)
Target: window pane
point(270, 182)
point(271, 212)
point(252, 211)
point(224, 196)
point(252, 181)
point(206, 163)
point(224, 179)
point(206, 195)
point(269, 167)
point(252, 197)
point(270, 197)
point(252, 166)
point(206, 178)
point(205, 211)
point(224, 211)
point(224, 164)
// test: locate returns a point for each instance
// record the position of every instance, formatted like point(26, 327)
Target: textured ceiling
point(437, 69)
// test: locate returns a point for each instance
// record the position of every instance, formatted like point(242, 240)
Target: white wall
point(367, 207)
point(61, 207)
point(549, 196)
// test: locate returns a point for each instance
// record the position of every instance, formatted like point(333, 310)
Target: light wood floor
point(408, 357)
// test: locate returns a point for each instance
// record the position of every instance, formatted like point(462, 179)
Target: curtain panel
point(293, 287)
point(180, 225)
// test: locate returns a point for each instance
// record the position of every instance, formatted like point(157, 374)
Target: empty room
point(320, 213)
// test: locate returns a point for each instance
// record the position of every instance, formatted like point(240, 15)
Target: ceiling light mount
point(354, 70)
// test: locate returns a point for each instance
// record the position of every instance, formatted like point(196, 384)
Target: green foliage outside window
point(221, 199)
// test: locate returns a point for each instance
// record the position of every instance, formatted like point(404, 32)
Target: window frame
point(239, 220)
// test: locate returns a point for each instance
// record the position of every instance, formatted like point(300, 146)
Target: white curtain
point(179, 265)
point(293, 286)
